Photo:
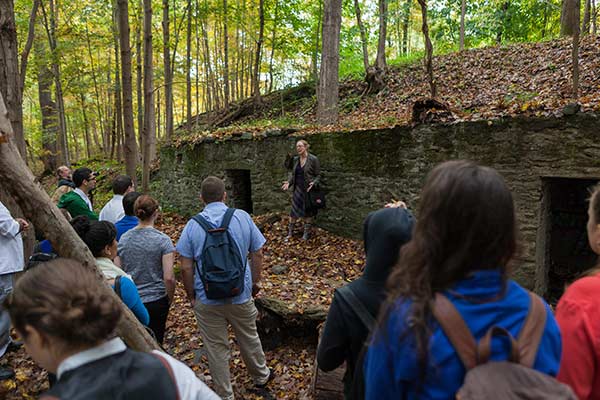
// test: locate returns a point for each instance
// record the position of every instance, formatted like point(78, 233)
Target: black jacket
point(312, 170)
point(385, 231)
point(66, 182)
point(129, 375)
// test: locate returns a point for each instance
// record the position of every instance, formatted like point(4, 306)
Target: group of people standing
point(435, 301)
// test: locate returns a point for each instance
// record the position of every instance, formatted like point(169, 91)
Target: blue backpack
point(223, 268)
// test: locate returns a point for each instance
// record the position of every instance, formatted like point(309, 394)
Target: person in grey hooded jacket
point(385, 232)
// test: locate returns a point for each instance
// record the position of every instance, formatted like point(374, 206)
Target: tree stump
point(430, 111)
point(375, 78)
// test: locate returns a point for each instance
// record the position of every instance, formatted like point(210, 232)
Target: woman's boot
point(306, 235)
point(290, 231)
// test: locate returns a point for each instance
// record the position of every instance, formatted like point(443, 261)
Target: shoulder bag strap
point(118, 286)
point(227, 218)
point(532, 331)
point(347, 295)
point(456, 330)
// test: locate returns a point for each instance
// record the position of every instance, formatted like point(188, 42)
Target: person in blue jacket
point(100, 237)
point(462, 247)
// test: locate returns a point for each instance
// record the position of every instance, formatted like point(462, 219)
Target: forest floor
point(530, 79)
point(314, 269)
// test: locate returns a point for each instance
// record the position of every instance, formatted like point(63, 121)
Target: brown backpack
point(507, 380)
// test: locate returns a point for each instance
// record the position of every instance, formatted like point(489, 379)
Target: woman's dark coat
point(385, 231)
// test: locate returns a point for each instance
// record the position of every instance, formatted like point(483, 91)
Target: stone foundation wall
point(363, 170)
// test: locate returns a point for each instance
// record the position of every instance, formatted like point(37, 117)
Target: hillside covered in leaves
point(532, 79)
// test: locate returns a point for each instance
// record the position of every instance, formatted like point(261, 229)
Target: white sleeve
point(8, 226)
point(188, 384)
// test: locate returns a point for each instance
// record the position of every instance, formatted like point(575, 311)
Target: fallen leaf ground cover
point(313, 269)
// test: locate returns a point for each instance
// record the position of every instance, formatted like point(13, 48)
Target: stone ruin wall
point(364, 169)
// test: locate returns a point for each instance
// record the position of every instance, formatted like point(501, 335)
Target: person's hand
point(255, 289)
point(23, 225)
point(396, 204)
point(310, 186)
point(285, 186)
point(192, 302)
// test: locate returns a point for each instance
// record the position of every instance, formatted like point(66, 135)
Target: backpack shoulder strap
point(532, 330)
point(456, 330)
point(227, 218)
point(200, 220)
point(118, 286)
point(347, 295)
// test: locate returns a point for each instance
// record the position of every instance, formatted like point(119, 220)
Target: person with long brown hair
point(462, 246)
point(578, 315)
point(68, 324)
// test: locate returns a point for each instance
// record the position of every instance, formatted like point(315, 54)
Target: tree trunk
point(575, 52)
point(188, 72)
point(138, 70)
point(585, 30)
point(225, 58)
point(130, 146)
point(28, 43)
point(48, 109)
point(463, 7)
point(315, 55)
point(10, 79)
point(363, 35)
point(328, 89)
point(149, 136)
point(94, 79)
point(569, 17)
point(502, 22)
point(275, 23)
point(380, 60)
point(50, 27)
point(168, 73)
point(20, 183)
point(86, 127)
point(405, 23)
point(259, 43)
point(594, 18)
point(428, 50)
point(206, 57)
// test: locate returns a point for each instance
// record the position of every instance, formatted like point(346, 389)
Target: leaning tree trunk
point(428, 49)
point(328, 89)
point(20, 183)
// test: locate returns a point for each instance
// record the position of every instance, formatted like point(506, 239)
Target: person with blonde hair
point(304, 177)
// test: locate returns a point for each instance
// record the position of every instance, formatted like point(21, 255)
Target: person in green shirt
point(77, 202)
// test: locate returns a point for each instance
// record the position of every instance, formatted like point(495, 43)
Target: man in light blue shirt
point(214, 316)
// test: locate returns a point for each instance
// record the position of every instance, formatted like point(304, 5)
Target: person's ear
point(224, 197)
point(35, 337)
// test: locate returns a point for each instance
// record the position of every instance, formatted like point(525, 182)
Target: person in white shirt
point(68, 325)
point(11, 261)
point(113, 210)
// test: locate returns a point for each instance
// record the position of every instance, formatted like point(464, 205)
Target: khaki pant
point(213, 322)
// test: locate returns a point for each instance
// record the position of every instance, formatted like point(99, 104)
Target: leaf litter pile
point(303, 274)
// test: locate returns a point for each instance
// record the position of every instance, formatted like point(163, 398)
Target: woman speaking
point(303, 178)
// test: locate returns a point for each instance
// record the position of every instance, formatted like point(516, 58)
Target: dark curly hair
point(62, 299)
point(95, 234)
point(466, 222)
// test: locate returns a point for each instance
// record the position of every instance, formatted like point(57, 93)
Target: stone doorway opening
point(563, 252)
point(239, 189)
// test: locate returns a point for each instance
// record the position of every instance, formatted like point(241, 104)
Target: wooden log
point(20, 183)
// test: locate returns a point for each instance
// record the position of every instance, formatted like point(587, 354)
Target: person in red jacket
point(578, 315)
